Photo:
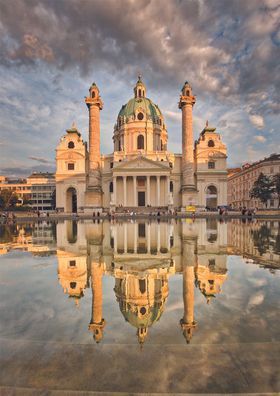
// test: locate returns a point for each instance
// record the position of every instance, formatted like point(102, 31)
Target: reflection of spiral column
point(189, 259)
point(97, 323)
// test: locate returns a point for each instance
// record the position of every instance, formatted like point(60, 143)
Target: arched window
point(120, 146)
point(140, 142)
point(93, 94)
point(187, 92)
point(140, 116)
point(139, 93)
point(171, 186)
point(71, 145)
point(73, 285)
point(211, 143)
point(111, 187)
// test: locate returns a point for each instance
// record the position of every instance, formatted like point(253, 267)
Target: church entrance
point(211, 197)
point(71, 200)
point(141, 198)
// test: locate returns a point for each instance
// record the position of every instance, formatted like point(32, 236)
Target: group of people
point(247, 212)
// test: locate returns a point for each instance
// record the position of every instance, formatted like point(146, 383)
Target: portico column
point(158, 237)
point(135, 237)
point(148, 191)
point(148, 238)
point(124, 191)
point(158, 190)
point(115, 240)
point(125, 238)
point(134, 191)
point(167, 189)
point(115, 189)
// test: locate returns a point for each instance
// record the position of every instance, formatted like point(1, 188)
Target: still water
point(135, 307)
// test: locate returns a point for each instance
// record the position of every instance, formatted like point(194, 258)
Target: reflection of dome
point(134, 316)
point(141, 301)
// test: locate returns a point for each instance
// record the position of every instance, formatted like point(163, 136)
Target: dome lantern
point(140, 88)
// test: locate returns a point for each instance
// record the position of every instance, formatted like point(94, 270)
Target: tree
point(261, 238)
point(262, 189)
point(276, 186)
point(8, 198)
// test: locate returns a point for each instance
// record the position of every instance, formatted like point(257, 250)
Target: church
point(141, 174)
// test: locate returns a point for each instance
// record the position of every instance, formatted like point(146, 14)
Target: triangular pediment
point(142, 163)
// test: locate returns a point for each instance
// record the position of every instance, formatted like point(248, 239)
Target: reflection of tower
point(94, 104)
point(189, 191)
point(97, 323)
point(72, 273)
point(189, 256)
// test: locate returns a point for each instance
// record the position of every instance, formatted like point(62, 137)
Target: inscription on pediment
point(141, 164)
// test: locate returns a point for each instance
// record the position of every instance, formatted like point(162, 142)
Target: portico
point(140, 190)
point(141, 182)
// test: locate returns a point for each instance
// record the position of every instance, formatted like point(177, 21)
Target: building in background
point(140, 172)
point(20, 187)
point(42, 191)
point(241, 181)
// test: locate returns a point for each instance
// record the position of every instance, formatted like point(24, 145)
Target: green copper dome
point(140, 104)
point(135, 105)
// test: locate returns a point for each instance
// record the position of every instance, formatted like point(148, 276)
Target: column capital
point(186, 100)
point(94, 102)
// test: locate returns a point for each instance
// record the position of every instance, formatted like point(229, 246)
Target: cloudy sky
point(52, 50)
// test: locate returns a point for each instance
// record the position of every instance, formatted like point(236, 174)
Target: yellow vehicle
point(190, 208)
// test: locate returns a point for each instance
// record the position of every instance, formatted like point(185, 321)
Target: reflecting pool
point(133, 307)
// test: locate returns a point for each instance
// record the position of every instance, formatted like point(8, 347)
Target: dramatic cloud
point(52, 50)
point(260, 138)
point(40, 159)
point(257, 120)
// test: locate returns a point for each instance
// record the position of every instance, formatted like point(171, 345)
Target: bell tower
point(189, 190)
point(94, 104)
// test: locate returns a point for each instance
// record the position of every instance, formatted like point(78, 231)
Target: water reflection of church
point(141, 257)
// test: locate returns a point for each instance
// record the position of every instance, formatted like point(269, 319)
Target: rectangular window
point(71, 166)
point(72, 263)
point(211, 165)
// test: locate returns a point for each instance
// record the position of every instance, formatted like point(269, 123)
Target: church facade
point(141, 172)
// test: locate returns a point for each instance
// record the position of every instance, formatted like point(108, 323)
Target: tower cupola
point(187, 89)
point(140, 88)
point(94, 91)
